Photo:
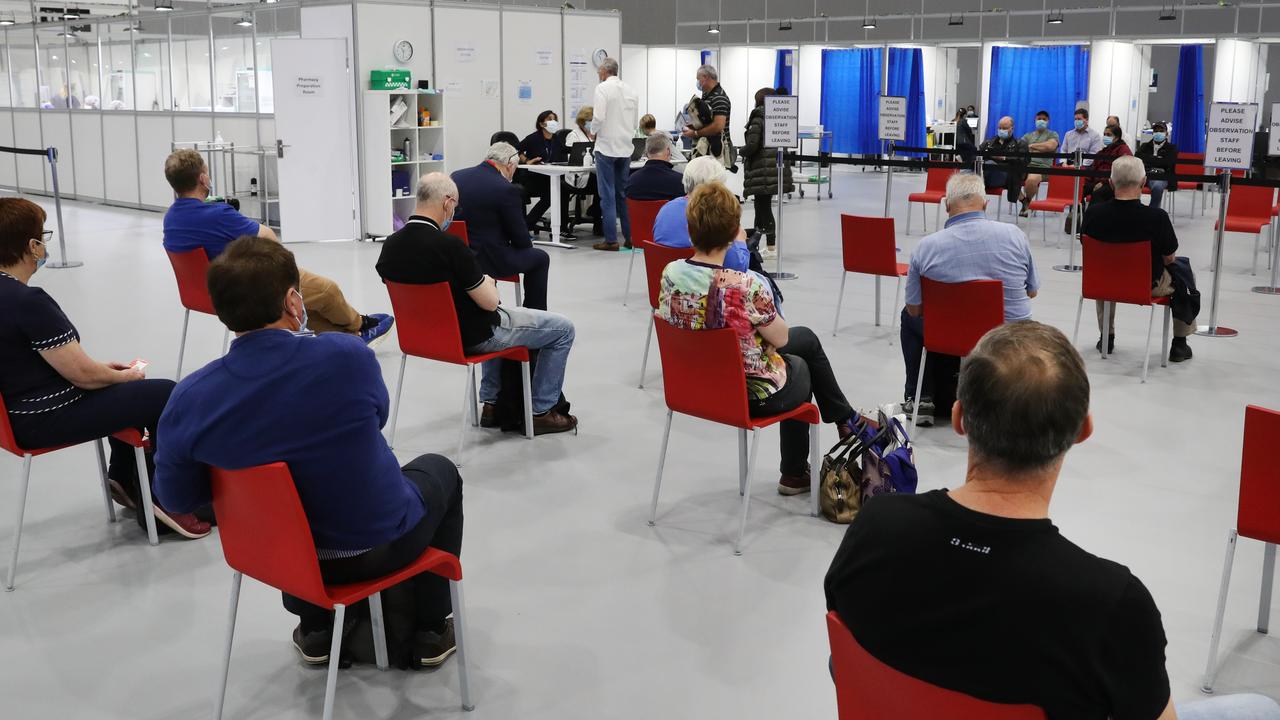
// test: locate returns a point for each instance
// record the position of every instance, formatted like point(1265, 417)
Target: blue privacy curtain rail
point(1026, 80)
point(1188, 100)
point(782, 71)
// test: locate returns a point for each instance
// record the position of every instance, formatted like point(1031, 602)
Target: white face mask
point(302, 321)
point(552, 126)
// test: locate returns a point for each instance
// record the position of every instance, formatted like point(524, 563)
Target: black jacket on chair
point(1158, 162)
point(655, 180)
point(494, 212)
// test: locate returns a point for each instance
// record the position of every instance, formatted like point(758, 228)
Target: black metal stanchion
point(1213, 329)
point(777, 230)
point(1071, 265)
point(1274, 287)
point(51, 154)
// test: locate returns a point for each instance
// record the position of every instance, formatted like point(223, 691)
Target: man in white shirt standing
point(616, 107)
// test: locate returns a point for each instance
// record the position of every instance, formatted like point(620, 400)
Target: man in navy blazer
point(657, 180)
point(493, 209)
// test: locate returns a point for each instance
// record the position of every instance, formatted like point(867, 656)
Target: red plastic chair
point(1188, 168)
point(1002, 196)
point(1249, 211)
point(190, 269)
point(867, 689)
point(265, 535)
point(1121, 273)
point(935, 189)
point(429, 329)
point(956, 316)
point(869, 247)
point(642, 214)
point(1257, 517)
point(458, 229)
point(1060, 198)
point(129, 436)
point(656, 259)
point(704, 378)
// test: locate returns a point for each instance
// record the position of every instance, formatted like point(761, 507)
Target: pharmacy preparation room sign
point(1229, 143)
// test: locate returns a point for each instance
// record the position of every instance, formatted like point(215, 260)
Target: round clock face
point(403, 51)
point(598, 57)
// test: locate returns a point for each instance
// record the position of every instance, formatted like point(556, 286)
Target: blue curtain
point(849, 107)
point(1188, 101)
point(782, 71)
point(906, 79)
point(704, 58)
point(1025, 80)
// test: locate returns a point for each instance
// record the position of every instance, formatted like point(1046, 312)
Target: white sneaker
point(768, 253)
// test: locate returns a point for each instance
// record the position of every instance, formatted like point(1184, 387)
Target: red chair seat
point(903, 269)
point(1050, 204)
point(1163, 300)
point(436, 562)
point(1245, 224)
point(519, 353)
point(807, 412)
point(928, 196)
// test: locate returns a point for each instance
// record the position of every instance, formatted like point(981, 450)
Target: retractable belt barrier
point(1222, 181)
point(50, 154)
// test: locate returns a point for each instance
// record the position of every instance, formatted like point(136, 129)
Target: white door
point(313, 118)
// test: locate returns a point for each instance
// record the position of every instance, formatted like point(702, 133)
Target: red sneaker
point(185, 524)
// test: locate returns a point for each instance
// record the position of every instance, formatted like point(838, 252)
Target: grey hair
point(702, 170)
point(434, 187)
point(709, 71)
point(1127, 172)
point(965, 187)
point(502, 153)
point(609, 65)
point(656, 144)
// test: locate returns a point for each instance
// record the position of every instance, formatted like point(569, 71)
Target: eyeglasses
point(45, 237)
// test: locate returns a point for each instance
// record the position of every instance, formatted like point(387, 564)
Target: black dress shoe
point(1111, 344)
point(1179, 351)
point(489, 416)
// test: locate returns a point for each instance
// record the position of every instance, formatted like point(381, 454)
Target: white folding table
point(555, 172)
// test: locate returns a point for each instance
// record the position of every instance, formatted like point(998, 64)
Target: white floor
point(578, 609)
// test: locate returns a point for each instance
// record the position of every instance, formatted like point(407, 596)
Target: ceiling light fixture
point(7, 18)
point(1168, 14)
point(69, 14)
point(1055, 18)
point(244, 21)
point(713, 29)
point(66, 34)
point(784, 25)
point(955, 20)
point(868, 23)
point(164, 5)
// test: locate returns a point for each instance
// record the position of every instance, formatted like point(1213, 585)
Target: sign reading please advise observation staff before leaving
point(781, 121)
point(893, 118)
point(1229, 142)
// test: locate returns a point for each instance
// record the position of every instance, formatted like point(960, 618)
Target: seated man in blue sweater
point(671, 227)
point(317, 403)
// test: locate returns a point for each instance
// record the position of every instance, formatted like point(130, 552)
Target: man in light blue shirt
point(671, 227)
point(969, 247)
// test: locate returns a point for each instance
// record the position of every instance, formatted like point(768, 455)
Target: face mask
point(1004, 134)
point(1107, 140)
point(40, 261)
point(302, 321)
point(449, 220)
point(1042, 124)
point(552, 126)
point(1079, 124)
point(697, 86)
point(1158, 137)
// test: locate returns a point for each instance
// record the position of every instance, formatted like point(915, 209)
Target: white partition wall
point(635, 72)
point(735, 78)
point(379, 27)
point(531, 77)
point(468, 63)
point(156, 134)
point(662, 86)
point(120, 158)
point(1118, 79)
point(587, 35)
point(86, 137)
point(809, 85)
point(56, 127)
point(1239, 71)
point(684, 82)
point(8, 163)
point(26, 134)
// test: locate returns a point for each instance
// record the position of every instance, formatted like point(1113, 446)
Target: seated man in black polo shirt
point(1126, 219)
point(657, 179)
point(975, 590)
point(422, 253)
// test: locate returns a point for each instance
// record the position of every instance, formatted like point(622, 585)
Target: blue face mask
point(1079, 124)
point(1004, 134)
point(447, 221)
point(1042, 124)
point(1158, 137)
point(40, 261)
point(1107, 140)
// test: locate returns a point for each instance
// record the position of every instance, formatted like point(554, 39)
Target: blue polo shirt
point(191, 223)
point(971, 247)
point(315, 402)
point(671, 228)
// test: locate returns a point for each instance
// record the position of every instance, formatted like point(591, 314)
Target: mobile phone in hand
point(139, 363)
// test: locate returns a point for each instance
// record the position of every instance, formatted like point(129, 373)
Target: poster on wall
point(893, 118)
point(579, 79)
point(1229, 142)
point(524, 90)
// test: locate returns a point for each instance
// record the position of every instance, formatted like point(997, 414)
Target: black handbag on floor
point(510, 405)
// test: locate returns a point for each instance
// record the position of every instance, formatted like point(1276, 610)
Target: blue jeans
point(549, 333)
point(1245, 706)
point(611, 179)
point(1157, 191)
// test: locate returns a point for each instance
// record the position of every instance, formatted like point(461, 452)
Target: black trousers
point(97, 413)
point(441, 487)
point(809, 374)
point(534, 263)
point(539, 186)
point(764, 218)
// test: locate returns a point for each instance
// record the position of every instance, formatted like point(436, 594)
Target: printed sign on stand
point(781, 121)
point(1229, 143)
point(1273, 144)
point(893, 118)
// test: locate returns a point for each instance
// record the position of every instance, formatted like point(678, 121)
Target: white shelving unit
point(386, 132)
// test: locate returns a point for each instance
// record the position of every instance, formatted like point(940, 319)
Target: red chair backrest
point(935, 179)
point(1194, 158)
point(867, 689)
point(656, 259)
point(1061, 187)
point(458, 228)
point(702, 373)
point(1250, 202)
point(642, 214)
point(868, 245)
point(957, 315)
point(1259, 513)
point(264, 531)
point(426, 321)
point(1120, 272)
point(191, 268)
point(1188, 169)
point(7, 440)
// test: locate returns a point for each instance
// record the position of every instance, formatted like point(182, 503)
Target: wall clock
point(403, 51)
